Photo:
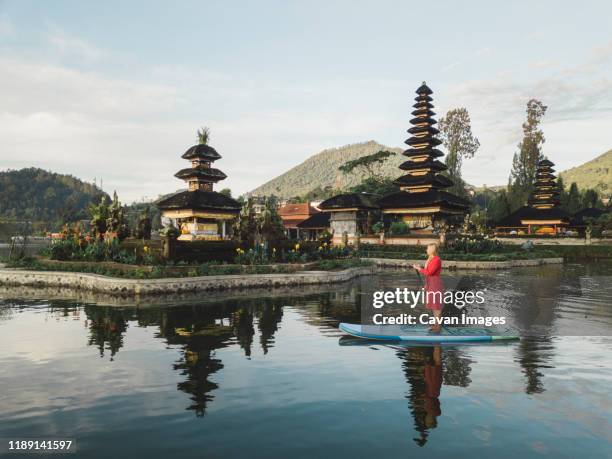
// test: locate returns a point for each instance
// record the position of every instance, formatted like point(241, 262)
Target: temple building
point(543, 214)
point(199, 212)
point(314, 226)
point(422, 202)
point(351, 215)
point(293, 214)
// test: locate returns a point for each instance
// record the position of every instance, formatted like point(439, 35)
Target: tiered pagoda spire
point(199, 212)
point(423, 170)
point(422, 198)
point(546, 193)
point(201, 176)
point(543, 214)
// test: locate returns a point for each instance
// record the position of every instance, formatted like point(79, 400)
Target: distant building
point(422, 202)
point(292, 214)
point(314, 226)
point(200, 213)
point(543, 214)
point(259, 204)
point(351, 215)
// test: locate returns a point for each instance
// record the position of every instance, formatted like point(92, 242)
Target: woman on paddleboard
point(434, 289)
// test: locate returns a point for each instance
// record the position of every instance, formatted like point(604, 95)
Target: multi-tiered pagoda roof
point(543, 207)
point(423, 186)
point(546, 192)
point(200, 178)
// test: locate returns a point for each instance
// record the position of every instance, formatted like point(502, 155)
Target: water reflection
point(426, 368)
point(106, 328)
point(211, 335)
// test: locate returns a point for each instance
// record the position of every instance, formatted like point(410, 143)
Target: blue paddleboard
point(421, 334)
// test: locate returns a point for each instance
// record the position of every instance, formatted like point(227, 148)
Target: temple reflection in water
point(199, 330)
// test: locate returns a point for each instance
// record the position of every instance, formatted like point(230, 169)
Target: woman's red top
point(433, 283)
point(433, 267)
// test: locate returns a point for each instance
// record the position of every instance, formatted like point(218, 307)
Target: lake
point(267, 374)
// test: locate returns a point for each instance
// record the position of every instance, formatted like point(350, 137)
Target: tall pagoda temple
point(546, 193)
point(422, 202)
point(200, 212)
point(543, 213)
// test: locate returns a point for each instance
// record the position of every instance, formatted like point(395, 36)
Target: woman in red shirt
point(434, 289)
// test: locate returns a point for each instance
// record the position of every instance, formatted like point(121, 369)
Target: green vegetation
point(461, 249)
point(596, 174)
point(77, 249)
point(398, 228)
point(369, 165)
point(456, 135)
point(525, 162)
point(39, 196)
point(255, 229)
point(297, 253)
point(183, 270)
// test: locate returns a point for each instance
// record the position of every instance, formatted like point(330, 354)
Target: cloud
point(73, 47)
point(132, 134)
point(131, 131)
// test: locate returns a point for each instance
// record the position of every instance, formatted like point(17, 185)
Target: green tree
point(144, 224)
point(370, 165)
point(590, 198)
point(226, 192)
point(99, 216)
point(270, 224)
point(525, 161)
point(499, 207)
point(562, 192)
point(116, 221)
point(381, 187)
point(246, 224)
point(460, 143)
point(573, 203)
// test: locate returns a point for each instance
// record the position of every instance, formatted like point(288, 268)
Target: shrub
point(398, 228)
point(475, 245)
point(378, 227)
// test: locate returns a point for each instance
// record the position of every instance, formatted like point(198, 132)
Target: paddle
point(419, 276)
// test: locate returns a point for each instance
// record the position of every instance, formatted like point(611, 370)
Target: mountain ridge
point(321, 170)
point(596, 173)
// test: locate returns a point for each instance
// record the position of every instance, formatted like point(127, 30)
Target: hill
point(596, 173)
point(40, 196)
point(321, 170)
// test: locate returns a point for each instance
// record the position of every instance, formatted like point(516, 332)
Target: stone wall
point(120, 286)
point(131, 287)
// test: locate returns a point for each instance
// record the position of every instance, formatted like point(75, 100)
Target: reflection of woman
point(433, 384)
point(423, 369)
point(434, 289)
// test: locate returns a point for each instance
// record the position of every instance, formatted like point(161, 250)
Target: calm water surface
point(267, 374)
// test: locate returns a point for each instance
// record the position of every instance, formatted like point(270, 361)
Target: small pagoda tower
point(543, 214)
point(546, 192)
point(422, 202)
point(200, 213)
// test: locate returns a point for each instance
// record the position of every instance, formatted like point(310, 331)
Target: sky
point(115, 91)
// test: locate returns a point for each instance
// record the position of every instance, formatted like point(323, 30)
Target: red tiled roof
point(301, 209)
point(292, 222)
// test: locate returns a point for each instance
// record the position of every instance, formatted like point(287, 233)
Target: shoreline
point(137, 287)
point(476, 265)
